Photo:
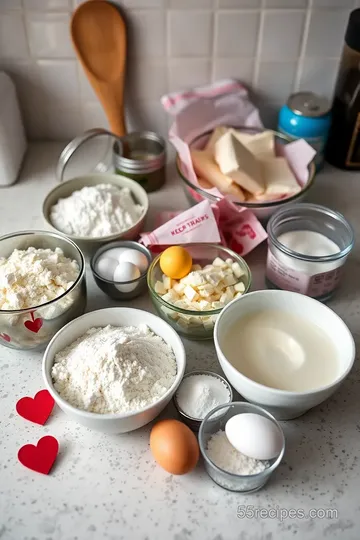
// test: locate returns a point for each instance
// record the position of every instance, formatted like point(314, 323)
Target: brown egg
point(174, 446)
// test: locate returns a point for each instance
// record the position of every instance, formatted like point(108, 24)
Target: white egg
point(136, 257)
point(115, 253)
point(105, 267)
point(126, 271)
point(254, 435)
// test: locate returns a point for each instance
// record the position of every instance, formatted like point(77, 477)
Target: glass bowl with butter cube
point(246, 165)
point(190, 284)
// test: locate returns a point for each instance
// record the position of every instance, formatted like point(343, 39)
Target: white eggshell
point(254, 435)
point(126, 271)
point(115, 253)
point(136, 257)
point(105, 267)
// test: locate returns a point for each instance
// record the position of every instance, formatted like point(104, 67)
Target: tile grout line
point(304, 41)
point(256, 72)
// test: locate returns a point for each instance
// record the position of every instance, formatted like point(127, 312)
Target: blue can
point(307, 116)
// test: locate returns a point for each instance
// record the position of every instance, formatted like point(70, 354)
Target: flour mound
point(114, 369)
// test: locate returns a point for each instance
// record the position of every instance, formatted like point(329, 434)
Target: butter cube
point(179, 287)
point(170, 313)
point(226, 297)
point(219, 262)
point(237, 162)
point(196, 267)
point(217, 305)
point(238, 294)
point(195, 279)
point(229, 280)
point(279, 178)
point(171, 297)
point(205, 293)
point(204, 305)
point(239, 287)
point(160, 288)
point(168, 282)
point(208, 325)
point(213, 278)
point(229, 262)
point(190, 293)
point(235, 267)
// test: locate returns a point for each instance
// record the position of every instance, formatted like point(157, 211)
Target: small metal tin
point(109, 287)
point(307, 116)
point(195, 423)
point(141, 156)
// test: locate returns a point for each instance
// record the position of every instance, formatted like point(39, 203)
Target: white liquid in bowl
point(281, 350)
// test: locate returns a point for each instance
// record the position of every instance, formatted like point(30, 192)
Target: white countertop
point(109, 487)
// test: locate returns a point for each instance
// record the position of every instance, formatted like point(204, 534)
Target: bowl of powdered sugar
point(95, 209)
point(114, 370)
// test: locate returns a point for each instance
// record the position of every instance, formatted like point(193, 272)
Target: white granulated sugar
point(35, 276)
point(96, 211)
point(225, 456)
point(199, 394)
point(114, 369)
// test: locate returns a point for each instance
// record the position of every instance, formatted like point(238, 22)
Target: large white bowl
point(283, 404)
point(118, 316)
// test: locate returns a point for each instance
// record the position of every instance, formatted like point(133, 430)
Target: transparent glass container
point(215, 421)
point(317, 274)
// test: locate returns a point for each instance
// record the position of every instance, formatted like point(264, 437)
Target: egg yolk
point(175, 262)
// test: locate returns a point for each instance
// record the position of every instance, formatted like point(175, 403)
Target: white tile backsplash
point(190, 33)
point(326, 32)
point(48, 35)
point(12, 36)
point(236, 33)
point(188, 72)
point(288, 27)
point(273, 46)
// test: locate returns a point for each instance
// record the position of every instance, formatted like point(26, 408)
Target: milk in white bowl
point(283, 350)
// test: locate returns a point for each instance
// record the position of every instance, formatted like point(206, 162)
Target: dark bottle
point(343, 146)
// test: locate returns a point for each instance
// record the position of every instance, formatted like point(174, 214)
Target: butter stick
point(205, 167)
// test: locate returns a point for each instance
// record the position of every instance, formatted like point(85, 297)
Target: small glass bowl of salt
point(198, 394)
point(225, 465)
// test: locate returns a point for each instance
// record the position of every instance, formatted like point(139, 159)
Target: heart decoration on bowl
point(34, 325)
point(37, 409)
point(5, 337)
point(39, 458)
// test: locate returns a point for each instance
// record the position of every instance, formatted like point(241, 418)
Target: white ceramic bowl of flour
point(118, 316)
point(64, 190)
point(295, 357)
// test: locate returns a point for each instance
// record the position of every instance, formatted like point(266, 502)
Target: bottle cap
point(352, 36)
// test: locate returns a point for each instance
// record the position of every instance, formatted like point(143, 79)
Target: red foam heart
point(39, 458)
point(5, 337)
point(34, 325)
point(37, 409)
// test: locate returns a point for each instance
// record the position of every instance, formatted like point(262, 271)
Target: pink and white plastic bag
point(217, 223)
point(224, 103)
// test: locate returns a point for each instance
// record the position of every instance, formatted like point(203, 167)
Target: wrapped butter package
point(210, 109)
point(216, 223)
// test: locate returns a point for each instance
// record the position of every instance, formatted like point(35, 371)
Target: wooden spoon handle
point(112, 100)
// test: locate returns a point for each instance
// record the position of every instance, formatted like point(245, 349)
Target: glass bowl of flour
point(42, 287)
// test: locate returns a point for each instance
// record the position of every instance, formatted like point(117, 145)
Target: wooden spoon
point(98, 34)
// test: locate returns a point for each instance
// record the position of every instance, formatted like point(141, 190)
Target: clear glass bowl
point(33, 328)
point(263, 210)
point(198, 325)
point(215, 421)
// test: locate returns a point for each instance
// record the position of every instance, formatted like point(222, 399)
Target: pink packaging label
point(286, 278)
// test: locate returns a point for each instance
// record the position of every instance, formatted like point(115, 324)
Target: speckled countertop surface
point(109, 486)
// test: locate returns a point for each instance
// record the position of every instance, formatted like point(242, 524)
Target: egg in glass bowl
point(192, 303)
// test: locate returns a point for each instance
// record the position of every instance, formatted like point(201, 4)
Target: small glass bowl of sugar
point(198, 394)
